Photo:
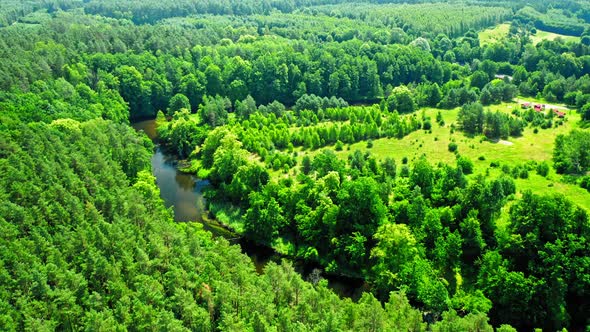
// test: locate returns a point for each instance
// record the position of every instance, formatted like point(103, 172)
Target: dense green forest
point(292, 109)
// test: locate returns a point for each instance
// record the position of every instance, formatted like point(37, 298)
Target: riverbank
point(185, 193)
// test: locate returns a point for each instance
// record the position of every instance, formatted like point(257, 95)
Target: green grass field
point(530, 147)
point(544, 35)
point(492, 35)
point(496, 34)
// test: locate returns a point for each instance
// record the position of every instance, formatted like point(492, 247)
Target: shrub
point(339, 146)
point(405, 171)
point(466, 165)
point(543, 169)
point(369, 144)
point(453, 147)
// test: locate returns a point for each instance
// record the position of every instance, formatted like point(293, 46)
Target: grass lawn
point(515, 151)
point(499, 32)
point(493, 35)
point(544, 35)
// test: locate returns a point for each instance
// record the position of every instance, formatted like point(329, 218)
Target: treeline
point(141, 12)
point(557, 20)
point(572, 153)
point(11, 11)
point(425, 19)
point(474, 120)
point(352, 70)
point(270, 127)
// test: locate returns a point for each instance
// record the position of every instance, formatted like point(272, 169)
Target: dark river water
point(184, 193)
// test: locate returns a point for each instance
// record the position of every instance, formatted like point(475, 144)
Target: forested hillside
point(385, 141)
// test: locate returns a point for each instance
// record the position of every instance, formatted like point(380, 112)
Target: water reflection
point(183, 192)
point(178, 189)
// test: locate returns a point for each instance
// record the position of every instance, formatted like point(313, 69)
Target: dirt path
point(503, 142)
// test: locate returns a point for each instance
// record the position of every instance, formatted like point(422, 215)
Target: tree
point(211, 144)
point(246, 107)
point(489, 67)
point(193, 86)
point(389, 167)
point(421, 43)
point(572, 152)
point(396, 247)
point(263, 219)
point(479, 79)
point(361, 210)
point(585, 111)
point(237, 90)
point(433, 95)
point(473, 243)
point(131, 88)
point(422, 175)
point(325, 162)
point(177, 103)
point(214, 110)
point(403, 99)
point(401, 316)
point(471, 118)
point(214, 80)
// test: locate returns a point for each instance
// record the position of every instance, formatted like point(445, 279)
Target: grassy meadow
point(495, 34)
point(544, 35)
point(499, 32)
point(530, 147)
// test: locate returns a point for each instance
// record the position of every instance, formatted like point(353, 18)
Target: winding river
point(184, 193)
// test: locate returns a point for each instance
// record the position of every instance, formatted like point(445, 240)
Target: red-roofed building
point(559, 113)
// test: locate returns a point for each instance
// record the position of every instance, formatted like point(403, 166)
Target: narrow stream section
point(184, 193)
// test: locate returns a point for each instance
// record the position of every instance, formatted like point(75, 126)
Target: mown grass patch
point(501, 31)
point(545, 35)
point(494, 35)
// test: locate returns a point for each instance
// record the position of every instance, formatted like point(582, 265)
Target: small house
point(538, 108)
point(559, 114)
point(525, 105)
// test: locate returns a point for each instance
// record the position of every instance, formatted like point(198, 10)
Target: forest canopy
point(289, 110)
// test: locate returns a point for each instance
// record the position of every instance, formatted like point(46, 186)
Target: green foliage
point(401, 100)
point(77, 189)
point(543, 169)
point(494, 125)
point(182, 134)
point(572, 152)
point(554, 20)
point(453, 147)
point(465, 164)
point(471, 118)
point(214, 110)
point(585, 111)
point(177, 103)
point(537, 228)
